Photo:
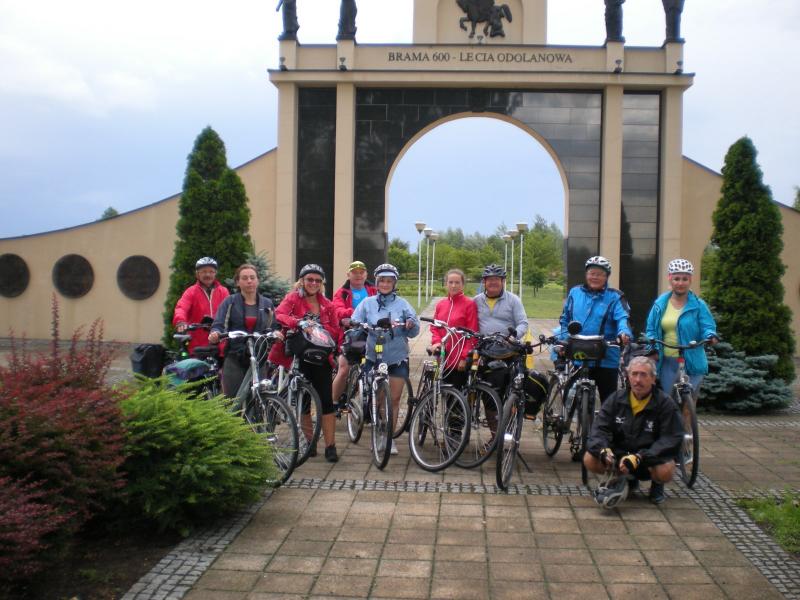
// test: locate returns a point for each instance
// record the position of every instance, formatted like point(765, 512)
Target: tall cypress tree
point(745, 287)
point(214, 220)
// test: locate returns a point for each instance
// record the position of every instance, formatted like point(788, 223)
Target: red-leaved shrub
point(61, 430)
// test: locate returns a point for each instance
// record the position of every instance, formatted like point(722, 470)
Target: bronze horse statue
point(484, 11)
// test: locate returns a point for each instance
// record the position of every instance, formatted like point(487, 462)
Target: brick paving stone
point(454, 569)
point(658, 542)
point(242, 562)
point(198, 594)
point(405, 568)
point(411, 536)
point(694, 591)
point(409, 551)
point(461, 510)
point(350, 566)
point(637, 591)
point(545, 540)
point(627, 574)
point(362, 535)
point(460, 589)
point(618, 557)
point(460, 523)
point(352, 586)
point(451, 537)
point(356, 549)
point(670, 558)
point(555, 526)
point(610, 542)
point(577, 591)
point(400, 587)
point(471, 553)
point(498, 538)
point(295, 564)
point(558, 556)
point(231, 581)
point(521, 571)
point(304, 548)
point(684, 575)
point(571, 573)
point(499, 554)
point(285, 583)
point(518, 590)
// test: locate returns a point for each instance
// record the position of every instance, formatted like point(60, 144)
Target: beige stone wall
point(791, 258)
point(148, 231)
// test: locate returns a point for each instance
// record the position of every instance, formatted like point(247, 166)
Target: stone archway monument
point(610, 115)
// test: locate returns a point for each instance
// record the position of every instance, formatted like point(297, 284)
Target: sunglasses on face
point(313, 280)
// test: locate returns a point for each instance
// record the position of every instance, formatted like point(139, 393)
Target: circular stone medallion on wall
point(138, 277)
point(73, 276)
point(14, 275)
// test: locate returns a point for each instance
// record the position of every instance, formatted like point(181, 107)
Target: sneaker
point(657, 493)
point(330, 454)
point(394, 448)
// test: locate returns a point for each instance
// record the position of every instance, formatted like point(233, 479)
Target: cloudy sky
point(100, 103)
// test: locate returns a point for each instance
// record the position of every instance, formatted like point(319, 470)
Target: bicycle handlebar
point(690, 346)
point(270, 335)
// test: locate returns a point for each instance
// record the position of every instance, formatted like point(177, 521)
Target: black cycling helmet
point(312, 268)
point(493, 270)
point(206, 261)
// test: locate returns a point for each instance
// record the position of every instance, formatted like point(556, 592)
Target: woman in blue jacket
point(601, 310)
point(387, 304)
point(679, 317)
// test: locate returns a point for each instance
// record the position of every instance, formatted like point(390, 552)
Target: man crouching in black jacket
point(640, 431)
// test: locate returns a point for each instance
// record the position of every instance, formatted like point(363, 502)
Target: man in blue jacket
point(601, 310)
point(679, 317)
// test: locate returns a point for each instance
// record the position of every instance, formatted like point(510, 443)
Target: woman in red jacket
point(457, 311)
point(308, 297)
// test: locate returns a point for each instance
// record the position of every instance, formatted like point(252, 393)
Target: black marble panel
point(138, 277)
point(316, 159)
point(14, 275)
point(73, 276)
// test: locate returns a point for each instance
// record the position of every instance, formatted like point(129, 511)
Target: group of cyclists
point(638, 430)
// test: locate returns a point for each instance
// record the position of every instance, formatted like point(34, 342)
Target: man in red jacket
point(345, 300)
point(202, 299)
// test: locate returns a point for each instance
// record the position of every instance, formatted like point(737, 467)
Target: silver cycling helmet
point(206, 261)
point(680, 265)
point(612, 493)
point(387, 270)
point(493, 270)
point(598, 261)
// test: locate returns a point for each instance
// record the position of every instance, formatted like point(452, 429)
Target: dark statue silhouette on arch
point(290, 24)
point(484, 11)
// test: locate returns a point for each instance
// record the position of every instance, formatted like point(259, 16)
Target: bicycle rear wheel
point(439, 428)
point(508, 440)
point(485, 411)
point(381, 407)
point(307, 408)
point(553, 417)
point(355, 404)
point(404, 409)
point(689, 457)
point(281, 431)
point(587, 401)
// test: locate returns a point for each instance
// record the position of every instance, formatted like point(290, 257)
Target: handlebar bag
point(497, 349)
point(586, 347)
point(355, 345)
point(313, 346)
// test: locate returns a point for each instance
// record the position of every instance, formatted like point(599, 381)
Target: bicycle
point(684, 397)
point(263, 409)
point(581, 395)
point(200, 368)
point(483, 402)
point(374, 396)
point(513, 417)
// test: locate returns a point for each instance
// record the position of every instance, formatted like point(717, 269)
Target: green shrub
point(740, 383)
point(189, 460)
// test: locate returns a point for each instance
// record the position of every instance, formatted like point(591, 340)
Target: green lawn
point(780, 518)
point(546, 304)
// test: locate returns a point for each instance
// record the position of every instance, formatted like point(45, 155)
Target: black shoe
point(657, 493)
point(312, 451)
point(633, 485)
point(330, 454)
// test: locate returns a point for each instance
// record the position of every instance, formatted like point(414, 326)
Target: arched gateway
point(610, 115)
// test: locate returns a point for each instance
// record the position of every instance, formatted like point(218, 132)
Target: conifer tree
point(213, 220)
point(745, 288)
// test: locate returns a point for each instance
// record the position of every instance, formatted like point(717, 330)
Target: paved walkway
point(351, 531)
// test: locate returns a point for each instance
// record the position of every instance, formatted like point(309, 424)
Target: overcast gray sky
point(100, 103)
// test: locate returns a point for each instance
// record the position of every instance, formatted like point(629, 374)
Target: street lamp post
point(434, 237)
point(419, 225)
point(427, 231)
point(506, 237)
point(512, 233)
point(522, 228)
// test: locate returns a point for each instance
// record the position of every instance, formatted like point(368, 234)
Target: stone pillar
point(611, 180)
point(671, 179)
point(286, 182)
point(345, 180)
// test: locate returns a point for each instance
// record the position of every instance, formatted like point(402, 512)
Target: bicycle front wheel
point(280, 429)
point(307, 409)
point(553, 418)
point(689, 457)
point(381, 407)
point(485, 411)
point(355, 404)
point(404, 409)
point(439, 428)
point(587, 402)
point(508, 442)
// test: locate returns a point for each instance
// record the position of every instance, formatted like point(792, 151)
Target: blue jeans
point(669, 375)
point(397, 370)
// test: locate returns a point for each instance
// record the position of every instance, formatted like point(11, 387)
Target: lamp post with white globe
point(506, 239)
point(522, 228)
point(419, 225)
point(434, 237)
point(427, 231)
point(512, 233)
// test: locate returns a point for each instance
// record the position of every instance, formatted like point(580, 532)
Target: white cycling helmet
point(387, 270)
point(612, 493)
point(206, 261)
point(598, 261)
point(680, 265)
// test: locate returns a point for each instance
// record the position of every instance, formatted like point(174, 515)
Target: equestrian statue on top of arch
point(484, 11)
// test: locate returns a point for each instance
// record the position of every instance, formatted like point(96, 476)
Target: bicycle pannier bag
point(148, 359)
point(586, 347)
point(536, 389)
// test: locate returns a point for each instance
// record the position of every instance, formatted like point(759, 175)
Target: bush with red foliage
point(61, 430)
